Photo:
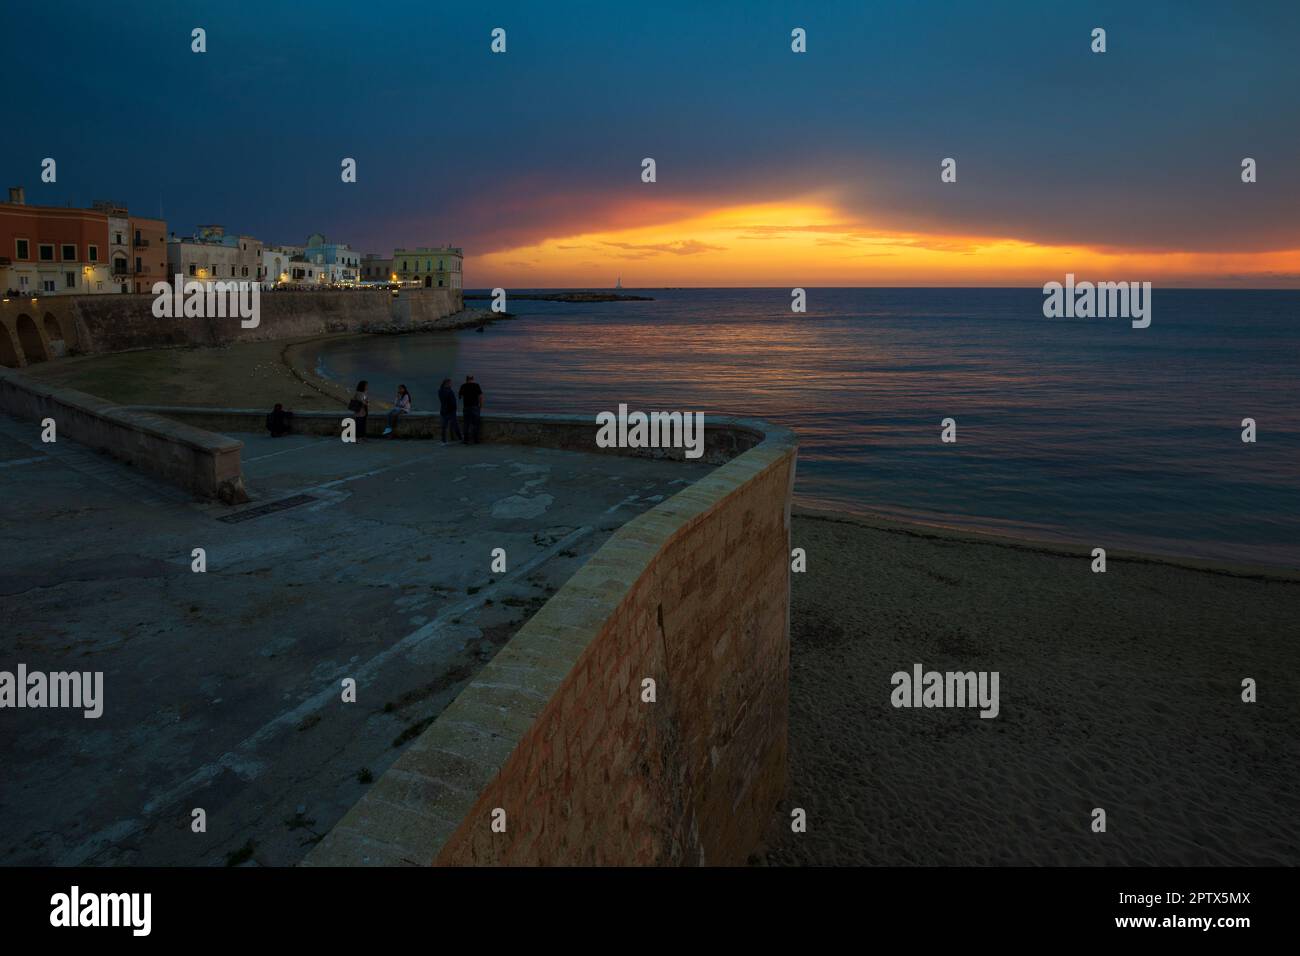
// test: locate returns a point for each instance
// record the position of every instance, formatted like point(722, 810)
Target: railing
point(140, 243)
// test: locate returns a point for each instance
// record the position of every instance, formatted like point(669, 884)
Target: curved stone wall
point(91, 324)
point(555, 741)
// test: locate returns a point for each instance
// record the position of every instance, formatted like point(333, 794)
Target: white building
point(211, 254)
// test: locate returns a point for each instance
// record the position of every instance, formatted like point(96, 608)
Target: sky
point(773, 168)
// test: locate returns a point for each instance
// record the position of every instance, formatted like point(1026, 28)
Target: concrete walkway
point(222, 690)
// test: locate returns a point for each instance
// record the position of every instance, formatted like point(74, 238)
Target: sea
point(1079, 430)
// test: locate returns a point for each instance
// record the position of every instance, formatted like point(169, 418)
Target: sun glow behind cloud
point(811, 243)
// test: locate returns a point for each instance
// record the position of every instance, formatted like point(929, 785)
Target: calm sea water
point(1080, 430)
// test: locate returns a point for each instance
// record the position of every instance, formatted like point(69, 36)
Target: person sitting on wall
point(401, 405)
point(277, 422)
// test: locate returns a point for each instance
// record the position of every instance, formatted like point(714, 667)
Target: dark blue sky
point(1138, 148)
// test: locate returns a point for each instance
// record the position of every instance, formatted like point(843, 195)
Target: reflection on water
point(1075, 429)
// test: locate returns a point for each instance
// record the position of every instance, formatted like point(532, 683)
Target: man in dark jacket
point(471, 395)
point(447, 408)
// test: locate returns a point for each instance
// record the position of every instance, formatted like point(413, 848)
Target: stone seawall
point(639, 717)
point(555, 739)
point(202, 462)
point(724, 439)
point(44, 328)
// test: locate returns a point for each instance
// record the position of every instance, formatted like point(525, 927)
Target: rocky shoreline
point(464, 319)
point(571, 297)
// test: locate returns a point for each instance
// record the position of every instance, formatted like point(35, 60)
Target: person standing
point(471, 396)
point(360, 408)
point(447, 407)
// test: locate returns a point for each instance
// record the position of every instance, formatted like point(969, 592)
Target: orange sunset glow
point(813, 243)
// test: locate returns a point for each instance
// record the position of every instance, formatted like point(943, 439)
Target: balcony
point(140, 243)
point(121, 271)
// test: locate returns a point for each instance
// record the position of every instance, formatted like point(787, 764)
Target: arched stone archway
point(54, 334)
point(29, 337)
point(8, 348)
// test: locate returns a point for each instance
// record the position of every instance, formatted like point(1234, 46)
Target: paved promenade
point(222, 690)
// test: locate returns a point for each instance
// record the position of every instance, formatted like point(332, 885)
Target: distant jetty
point(572, 297)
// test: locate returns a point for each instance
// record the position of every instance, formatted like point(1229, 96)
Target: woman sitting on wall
point(401, 405)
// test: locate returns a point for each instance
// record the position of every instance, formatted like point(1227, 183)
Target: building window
point(21, 250)
point(47, 252)
point(138, 264)
point(191, 268)
point(70, 279)
point(48, 285)
point(117, 239)
point(69, 252)
point(93, 253)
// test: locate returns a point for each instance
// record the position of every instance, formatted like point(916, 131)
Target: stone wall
point(114, 323)
point(568, 432)
point(200, 461)
point(693, 595)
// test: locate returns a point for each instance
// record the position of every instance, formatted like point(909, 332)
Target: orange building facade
point(52, 250)
point(49, 250)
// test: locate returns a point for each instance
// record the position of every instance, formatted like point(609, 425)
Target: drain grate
point(271, 507)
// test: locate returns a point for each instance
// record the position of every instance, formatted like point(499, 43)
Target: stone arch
point(8, 348)
point(29, 337)
point(55, 336)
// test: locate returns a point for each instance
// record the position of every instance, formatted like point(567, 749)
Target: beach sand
point(1119, 690)
point(246, 375)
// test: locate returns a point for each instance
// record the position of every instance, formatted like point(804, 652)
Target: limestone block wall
point(113, 323)
point(570, 432)
point(554, 731)
point(200, 461)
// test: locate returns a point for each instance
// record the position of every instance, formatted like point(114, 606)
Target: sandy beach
point(250, 375)
point(1119, 690)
